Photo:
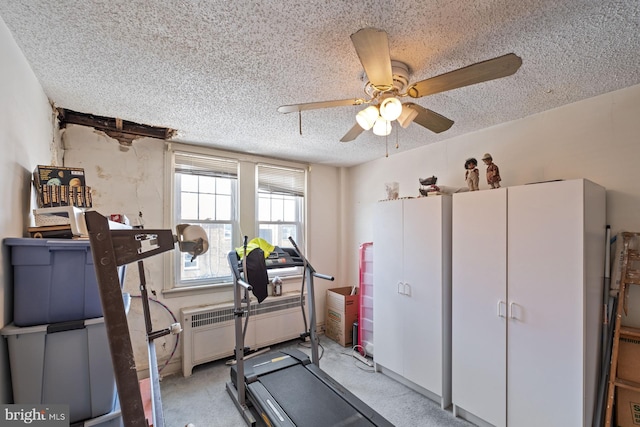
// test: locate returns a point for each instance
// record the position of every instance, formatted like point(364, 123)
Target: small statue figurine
point(471, 176)
point(493, 173)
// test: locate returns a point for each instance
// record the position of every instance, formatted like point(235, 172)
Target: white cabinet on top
point(412, 292)
point(527, 280)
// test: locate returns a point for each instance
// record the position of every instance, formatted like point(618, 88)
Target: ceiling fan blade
point(353, 133)
point(372, 47)
point(495, 68)
point(320, 104)
point(430, 119)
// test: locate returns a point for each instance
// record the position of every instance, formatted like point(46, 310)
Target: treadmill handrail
point(244, 284)
point(323, 276)
point(233, 263)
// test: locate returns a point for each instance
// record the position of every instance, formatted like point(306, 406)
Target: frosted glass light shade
point(367, 118)
point(382, 127)
point(390, 108)
point(407, 116)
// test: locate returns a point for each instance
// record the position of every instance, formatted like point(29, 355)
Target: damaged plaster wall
point(127, 181)
point(27, 138)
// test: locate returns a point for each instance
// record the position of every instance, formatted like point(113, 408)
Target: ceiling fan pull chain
point(397, 145)
point(300, 121)
point(386, 143)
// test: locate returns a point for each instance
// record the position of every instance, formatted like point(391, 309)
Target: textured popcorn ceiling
point(217, 70)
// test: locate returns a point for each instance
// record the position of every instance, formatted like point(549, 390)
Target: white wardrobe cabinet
point(526, 301)
point(412, 292)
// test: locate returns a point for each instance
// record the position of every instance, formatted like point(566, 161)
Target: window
point(206, 194)
point(281, 206)
point(208, 188)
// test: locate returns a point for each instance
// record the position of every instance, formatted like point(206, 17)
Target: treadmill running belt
point(308, 401)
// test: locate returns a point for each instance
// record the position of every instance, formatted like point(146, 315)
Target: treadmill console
point(283, 258)
point(279, 258)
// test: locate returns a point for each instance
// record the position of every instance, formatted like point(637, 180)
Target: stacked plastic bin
point(365, 320)
point(58, 345)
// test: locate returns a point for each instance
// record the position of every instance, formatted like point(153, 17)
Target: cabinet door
point(479, 254)
point(388, 313)
point(546, 294)
point(424, 279)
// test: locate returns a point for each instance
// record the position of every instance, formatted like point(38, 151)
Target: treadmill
point(287, 388)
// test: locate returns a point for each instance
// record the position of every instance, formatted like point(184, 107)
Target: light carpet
point(202, 399)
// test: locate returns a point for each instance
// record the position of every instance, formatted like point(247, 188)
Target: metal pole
point(313, 336)
point(115, 321)
point(238, 392)
point(310, 273)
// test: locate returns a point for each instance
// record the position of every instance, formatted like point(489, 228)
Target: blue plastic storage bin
point(63, 363)
point(54, 280)
point(112, 419)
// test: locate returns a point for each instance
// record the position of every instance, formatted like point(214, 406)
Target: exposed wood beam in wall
point(122, 130)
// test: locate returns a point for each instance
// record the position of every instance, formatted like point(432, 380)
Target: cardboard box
point(61, 186)
point(58, 175)
point(628, 401)
point(629, 359)
point(627, 407)
point(63, 195)
point(342, 311)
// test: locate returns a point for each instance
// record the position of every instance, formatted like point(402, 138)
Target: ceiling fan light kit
point(367, 118)
point(382, 127)
point(407, 116)
point(390, 108)
point(389, 80)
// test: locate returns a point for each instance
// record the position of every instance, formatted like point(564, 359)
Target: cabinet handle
point(511, 316)
point(401, 288)
point(500, 304)
point(407, 286)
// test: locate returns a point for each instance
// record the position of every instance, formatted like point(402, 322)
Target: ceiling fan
point(389, 80)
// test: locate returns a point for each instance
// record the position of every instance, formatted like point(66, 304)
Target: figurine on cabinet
point(493, 173)
point(471, 175)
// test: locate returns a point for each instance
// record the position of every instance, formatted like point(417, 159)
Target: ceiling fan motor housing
point(400, 75)
point(400, 72)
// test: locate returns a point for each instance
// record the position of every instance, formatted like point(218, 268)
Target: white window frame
point(289, 185)
point(209, 167)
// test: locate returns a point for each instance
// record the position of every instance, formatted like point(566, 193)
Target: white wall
point(132, 180)
point(597, 139)
point(27, 139)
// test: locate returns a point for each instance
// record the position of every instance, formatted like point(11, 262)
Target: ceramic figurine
point(493, 173)
point(471, 176)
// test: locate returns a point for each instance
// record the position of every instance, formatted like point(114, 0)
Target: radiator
point(209, 334)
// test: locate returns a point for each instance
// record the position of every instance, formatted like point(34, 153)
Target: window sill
point(184, 291)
